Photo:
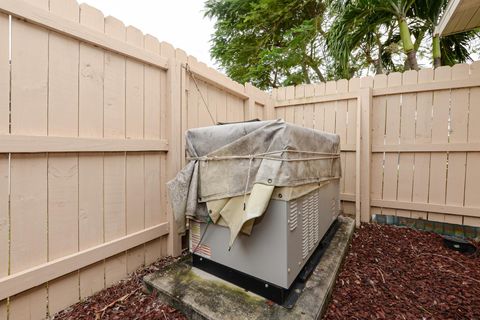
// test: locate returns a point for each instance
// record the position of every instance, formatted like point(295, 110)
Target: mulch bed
point(401, 273)
point(125, 300)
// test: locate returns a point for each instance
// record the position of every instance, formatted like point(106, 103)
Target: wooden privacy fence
point(420, 140)
point(92, 116)
point(92, 119)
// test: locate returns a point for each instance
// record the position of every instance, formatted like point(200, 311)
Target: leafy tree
point(358, 19)
point(269, 42)
point(445, 50)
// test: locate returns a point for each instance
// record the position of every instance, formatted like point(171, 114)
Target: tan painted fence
point(92, 118)
point(420, 140)
point(92, 115)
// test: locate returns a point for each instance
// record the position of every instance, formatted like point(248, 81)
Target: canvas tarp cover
point(228, 160)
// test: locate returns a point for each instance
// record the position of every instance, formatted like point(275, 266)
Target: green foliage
point(271, 43)
point(268, 42)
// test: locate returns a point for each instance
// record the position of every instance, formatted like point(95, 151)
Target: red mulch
point(125, 300)
point(401, 273)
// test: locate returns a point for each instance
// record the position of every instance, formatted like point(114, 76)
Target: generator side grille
point(305, 228)
point(310, 229)
point(293, 219)
point(315, 210)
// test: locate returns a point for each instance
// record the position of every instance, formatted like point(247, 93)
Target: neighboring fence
point(420, 142)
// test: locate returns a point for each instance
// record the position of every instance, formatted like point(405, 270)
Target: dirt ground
point(125, 300)
point(401, 273)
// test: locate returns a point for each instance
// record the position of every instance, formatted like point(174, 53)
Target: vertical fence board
point(341, 127)
point(173, 133)
point(423, 134)
point(4, 75)
point(350, 173)
point(114, 163)
point(472, 182)
point(319, 108)
point(4, 215)
point(4, 162)
point(407, 136)
point(181, 57)
point(204, 119)
point(280, 95)
point(299, 110)
point(192, 99)
point(458, 134)
point(135, 180)
point(290, 111)
point(392, 130)
point(221, 107)
point(379, 111)
point(212, 101)
point(438, 162)
point(260, 111)
point(3, 310)
point(151, 116)
point(91, 99)
point(309, 109)
point(30, 304)
point(28, 209)
point(153, 175)
point(63, 167)
point(330, 107)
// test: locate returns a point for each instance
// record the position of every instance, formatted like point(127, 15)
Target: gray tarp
point(230, 159)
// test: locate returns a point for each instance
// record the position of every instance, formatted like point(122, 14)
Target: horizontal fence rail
point(33, 277)
point(38, 144)
point(48, 20)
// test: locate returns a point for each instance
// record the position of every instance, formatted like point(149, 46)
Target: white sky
point(179, 22)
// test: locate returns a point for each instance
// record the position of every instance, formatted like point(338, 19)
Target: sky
point(179, 22)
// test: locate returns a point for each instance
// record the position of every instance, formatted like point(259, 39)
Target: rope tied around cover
point(267, 156)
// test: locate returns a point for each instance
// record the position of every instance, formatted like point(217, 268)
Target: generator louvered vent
point(310, 230)
point(305, 224)
point(315, 210)
point(293, 215)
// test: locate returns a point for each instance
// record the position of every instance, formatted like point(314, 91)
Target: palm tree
point(445, 50)
point(358, 18)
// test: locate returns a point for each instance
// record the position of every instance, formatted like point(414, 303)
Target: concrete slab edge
point(323, 279)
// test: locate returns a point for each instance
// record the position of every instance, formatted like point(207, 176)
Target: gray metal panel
point(262, 254)
point(282, 241)
point(325, 203)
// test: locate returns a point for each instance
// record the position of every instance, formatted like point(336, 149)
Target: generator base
point(282, 296)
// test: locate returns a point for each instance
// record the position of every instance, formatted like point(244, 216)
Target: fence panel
point(63, 167)
point(423, 135)
point(4, 158)
point(331, 115)
point(472, 174)
point(28, 173)
point(98, 205)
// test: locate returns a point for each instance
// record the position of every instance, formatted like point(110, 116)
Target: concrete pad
point(200, 295)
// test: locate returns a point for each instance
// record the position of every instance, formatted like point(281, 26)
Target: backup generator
point(269, 260)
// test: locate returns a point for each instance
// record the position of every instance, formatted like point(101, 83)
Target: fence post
point(174, 133)
point(365, 151)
